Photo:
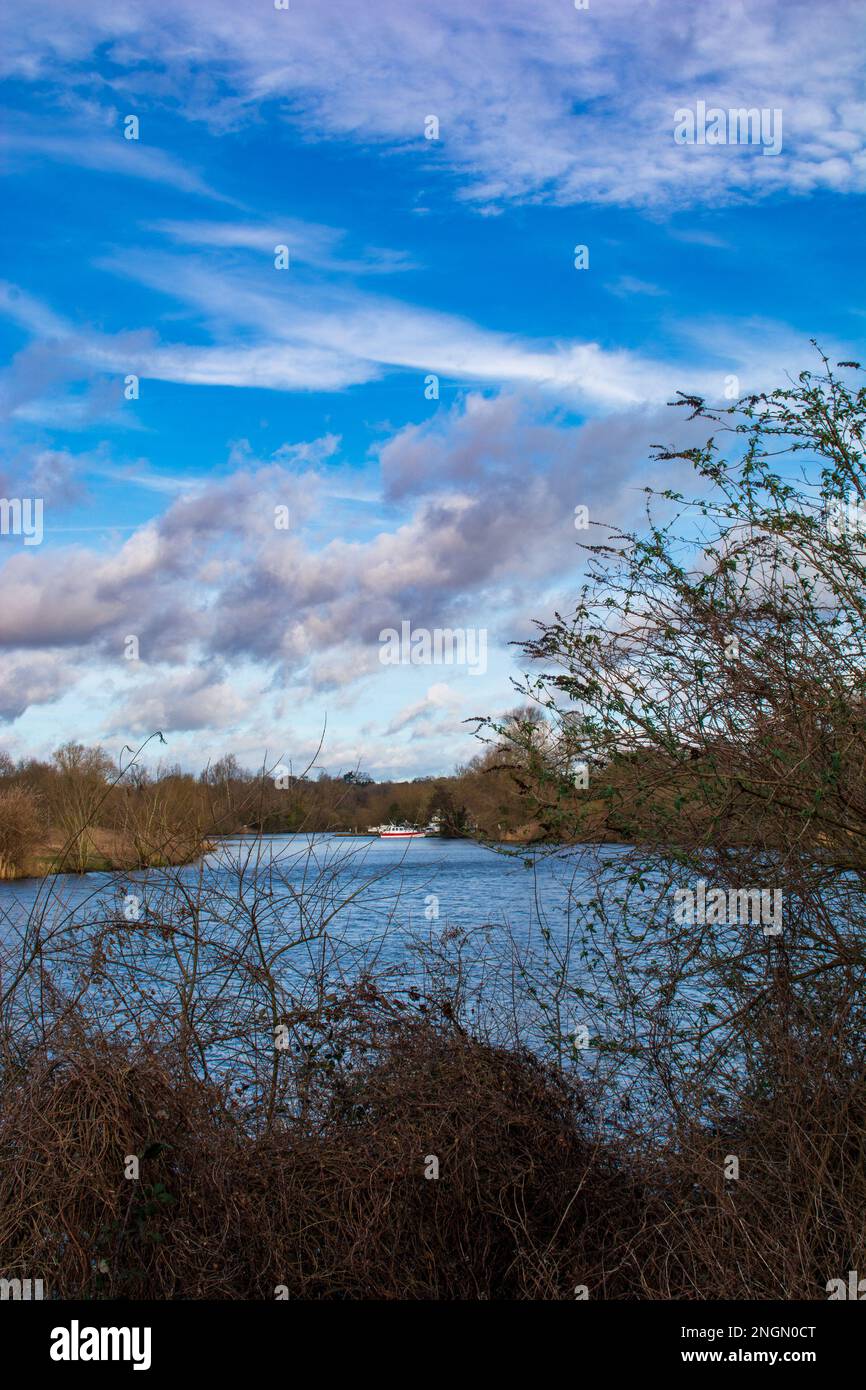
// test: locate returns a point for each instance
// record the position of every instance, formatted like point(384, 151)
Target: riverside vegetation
point(224, 1099)
point(81, 811)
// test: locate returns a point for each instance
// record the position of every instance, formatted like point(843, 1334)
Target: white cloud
point(441, 701)
point(535, 102)
point(323, 337)
point(309, 243)
point(110, 155)
point(33, 679)
point(182, 701)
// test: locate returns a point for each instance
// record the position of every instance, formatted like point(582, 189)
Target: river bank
point(103, 851)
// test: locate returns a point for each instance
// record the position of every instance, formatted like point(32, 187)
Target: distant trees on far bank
point(83, 806)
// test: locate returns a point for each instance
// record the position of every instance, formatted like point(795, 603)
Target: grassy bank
point(104, 851)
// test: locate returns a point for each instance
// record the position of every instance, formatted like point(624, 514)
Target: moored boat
point(397, 832)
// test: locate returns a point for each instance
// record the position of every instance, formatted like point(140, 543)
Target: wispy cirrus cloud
point(104, 154)
point(309, 243)
point(452, 512)
point(630, 285)
point(298, 335)
point(567, 106)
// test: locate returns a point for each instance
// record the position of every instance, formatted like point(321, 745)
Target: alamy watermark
point(701, 907)
point(21, 1290)
point(855, 1288)
point(22, 516)
point(443, 646)
point(739, 125)
point(77, 1343)
point(845, 517)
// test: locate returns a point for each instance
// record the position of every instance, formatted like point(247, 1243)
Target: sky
point(252, 462)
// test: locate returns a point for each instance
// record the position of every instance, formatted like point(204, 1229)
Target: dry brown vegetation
point(81, 811)
point(332, 1200)
point(20, 828)
point(334, 1207)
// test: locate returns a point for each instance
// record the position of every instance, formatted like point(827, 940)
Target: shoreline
point(112, 855)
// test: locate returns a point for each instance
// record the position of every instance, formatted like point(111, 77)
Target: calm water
point(430, 913)
point(511, 935)
point(422, 910)
point(370, 886)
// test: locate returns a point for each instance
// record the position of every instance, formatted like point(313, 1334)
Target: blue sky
point(305, 387)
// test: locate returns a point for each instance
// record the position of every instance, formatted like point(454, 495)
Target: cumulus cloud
point(184, 701)
point(36, 679)
point(439, 705)
point(464, 519)
point(487, 495)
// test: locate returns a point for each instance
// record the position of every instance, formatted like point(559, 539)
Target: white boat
point(397, 832)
